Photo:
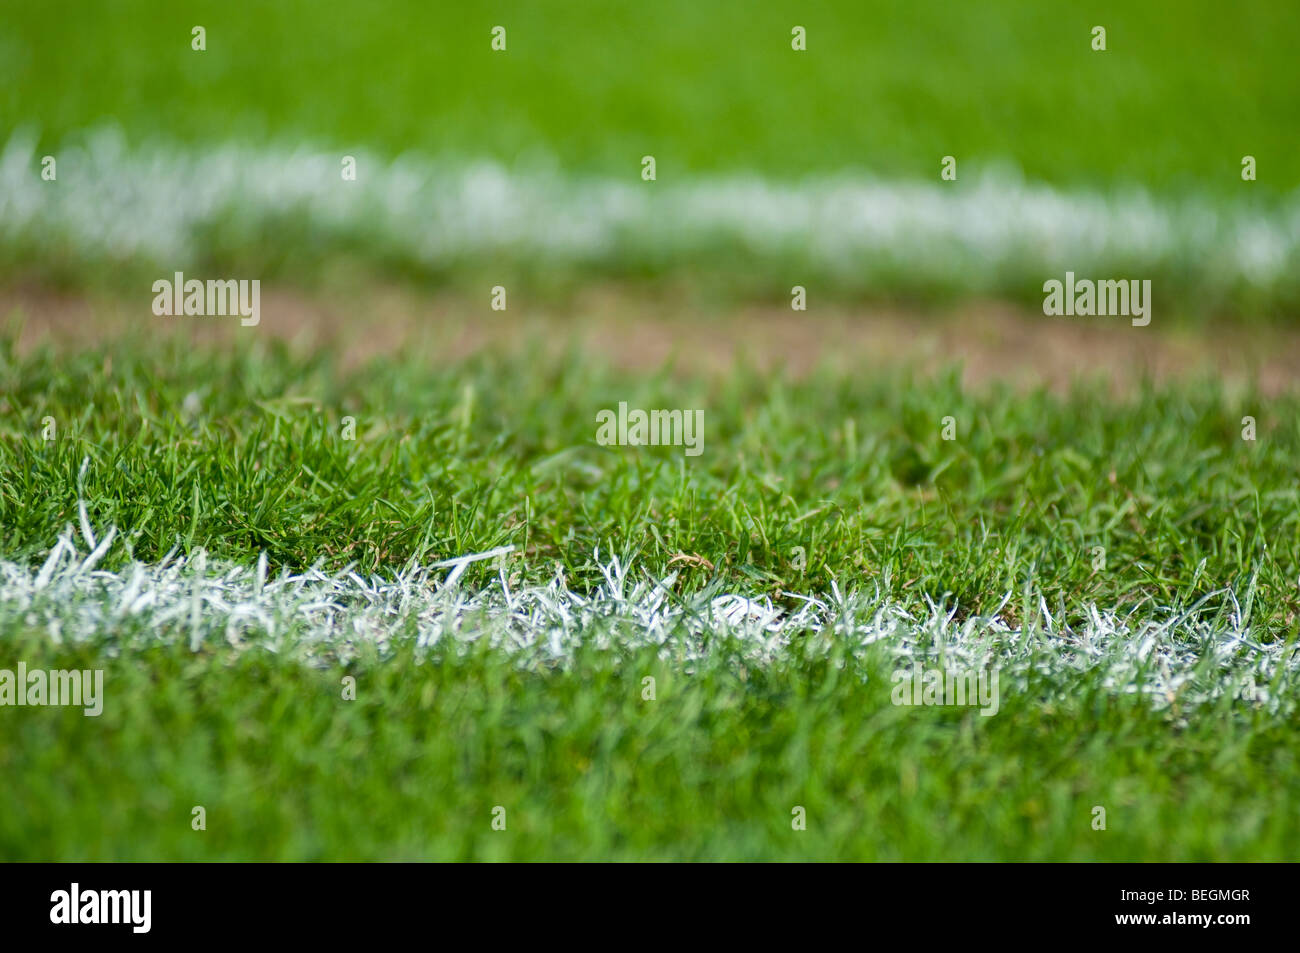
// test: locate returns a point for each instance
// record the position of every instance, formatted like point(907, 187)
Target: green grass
point(502, 450)
point(451, 460)
point(1144, 140)
point(838, 482)
point(1183, 91)
point(709, 770)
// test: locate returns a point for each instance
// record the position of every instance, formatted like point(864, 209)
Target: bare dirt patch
point(989, 341)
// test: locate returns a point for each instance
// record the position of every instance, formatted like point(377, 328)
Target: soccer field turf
point(1126, 563)
point(774, 168)
point(380, 569)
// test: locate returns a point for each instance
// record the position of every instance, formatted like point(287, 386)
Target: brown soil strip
point(991, 342)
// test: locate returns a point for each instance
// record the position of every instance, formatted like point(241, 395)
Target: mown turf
point(242, 452)
point(450, 460)
point(1133, 505)
point(1157, 124)
point(1182, 92)
point(712, 768)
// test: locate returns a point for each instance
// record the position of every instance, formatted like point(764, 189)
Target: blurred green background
point(1182, 92)
point(1145, 140)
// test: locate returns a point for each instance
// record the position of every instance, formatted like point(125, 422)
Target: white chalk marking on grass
point(461, 563)
point(155, 202)
point(1186, 655)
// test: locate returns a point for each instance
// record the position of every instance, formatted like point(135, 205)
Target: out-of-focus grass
point(586, 768)
point(1184, 90)
point(1150, 133)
